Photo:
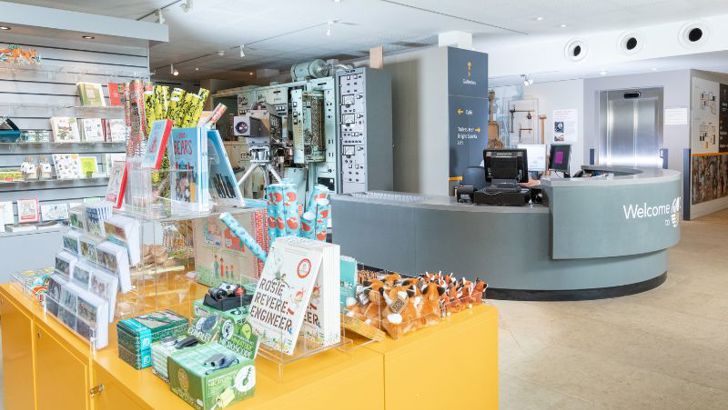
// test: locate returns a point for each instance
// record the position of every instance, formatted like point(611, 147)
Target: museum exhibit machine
point(335, 121)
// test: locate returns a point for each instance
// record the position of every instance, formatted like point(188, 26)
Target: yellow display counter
point(451, 365)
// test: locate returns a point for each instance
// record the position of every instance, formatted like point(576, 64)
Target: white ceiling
point(278, 33)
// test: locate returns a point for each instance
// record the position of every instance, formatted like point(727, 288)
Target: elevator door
point(631, 127)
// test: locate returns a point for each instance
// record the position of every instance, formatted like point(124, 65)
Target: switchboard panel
point(365, 130)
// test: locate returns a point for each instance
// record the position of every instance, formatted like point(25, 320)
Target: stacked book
point(137, 334)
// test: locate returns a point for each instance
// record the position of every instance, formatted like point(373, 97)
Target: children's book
point(187, 153)
point(322, 323)
point(115, 94)
point(53, 212)
point(92, 94)
point(89, 167)
point(284, 291)
point(92, 130)
point(117, 130)
point(28, 210)
point(68, 166)
point(117, 184)
point(157, 144)
point(223, 185)
point(65, 129)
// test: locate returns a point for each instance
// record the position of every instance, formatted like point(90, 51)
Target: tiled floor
point(663, 349)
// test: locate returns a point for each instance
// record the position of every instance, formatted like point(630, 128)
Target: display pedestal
point(451, 365)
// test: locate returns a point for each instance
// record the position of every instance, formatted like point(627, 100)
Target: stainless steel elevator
point(630, 123)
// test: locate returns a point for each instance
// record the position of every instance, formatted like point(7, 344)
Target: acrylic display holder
point(155, 194)
point(33, 283)
point(69, 317)
point(159, 280)
point(398, 315)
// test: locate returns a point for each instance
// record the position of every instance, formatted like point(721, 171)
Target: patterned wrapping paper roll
point(323, 211)
point(244, 236)
point(195, 111)
point(161, 94)
point(149, 111)
point(308, 225)
point(176, 100)
point(274, 194)
point(290, 210)
point(318, 192)
point(217, 113)
point(203, 93)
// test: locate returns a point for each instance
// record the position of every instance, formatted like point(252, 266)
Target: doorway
point(630, 123)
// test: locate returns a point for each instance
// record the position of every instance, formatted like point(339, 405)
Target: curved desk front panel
point(512, 248)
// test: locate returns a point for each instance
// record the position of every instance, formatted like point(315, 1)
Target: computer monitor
point(536, 156)
point(559, 158)
point(506, 165)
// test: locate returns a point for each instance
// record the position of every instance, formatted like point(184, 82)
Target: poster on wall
point(566, 123)
point(705, 116)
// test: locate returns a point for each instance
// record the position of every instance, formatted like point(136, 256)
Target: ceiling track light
point(527, 81)
point(173, 70)
point(160, 17)
point(221, 52)
point(186, 6)
point(329, 27)
point(242, 50)
point(5, 28)
point(88, 37)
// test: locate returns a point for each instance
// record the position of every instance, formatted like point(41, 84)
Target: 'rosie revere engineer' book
point(283, 293)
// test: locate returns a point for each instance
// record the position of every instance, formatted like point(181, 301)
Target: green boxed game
point(206, 328)
point(236, 315)
point(135, 335)
point(239, 338)
point(210, 376)
point(162, 349)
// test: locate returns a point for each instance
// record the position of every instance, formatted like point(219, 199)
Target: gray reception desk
point(595, 237)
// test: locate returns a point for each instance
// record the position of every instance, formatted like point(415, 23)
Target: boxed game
point(162, 350)
point(210, 376)
point(137, 334)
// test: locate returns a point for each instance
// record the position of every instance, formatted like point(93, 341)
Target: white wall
point(420, 120)
point(555, 95)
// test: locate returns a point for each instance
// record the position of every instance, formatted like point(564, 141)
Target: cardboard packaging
point(204, 387)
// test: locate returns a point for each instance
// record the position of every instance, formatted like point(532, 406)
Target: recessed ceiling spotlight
point(337, 1)
point(197, 68)
point(221, 52)
point(88, 37)
point(654, 68)
point(250, 73)
point(539, 18)
point(563, 26)
point(4, 28)
point(603, 72)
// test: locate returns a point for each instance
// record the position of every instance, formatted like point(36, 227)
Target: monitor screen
point(536, 156)
point(506, 164)
point(559, 158)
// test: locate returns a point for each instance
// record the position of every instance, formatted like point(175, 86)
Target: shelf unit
point(32, 93)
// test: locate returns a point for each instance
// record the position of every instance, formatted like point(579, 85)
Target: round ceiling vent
point(630, 43)
point(694, 34)
point(575, 50)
